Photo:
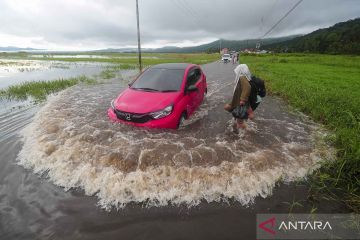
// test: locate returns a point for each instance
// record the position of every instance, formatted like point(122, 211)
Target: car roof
point(180, 66)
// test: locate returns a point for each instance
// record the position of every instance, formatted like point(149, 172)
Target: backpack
point(257, 88)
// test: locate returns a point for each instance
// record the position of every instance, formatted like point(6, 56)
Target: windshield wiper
point(147, 89)
point(168, 91)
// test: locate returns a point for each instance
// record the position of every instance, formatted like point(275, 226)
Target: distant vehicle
point(226, 58)
point(163, 96)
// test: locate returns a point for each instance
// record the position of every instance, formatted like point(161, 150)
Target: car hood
point(135, 101)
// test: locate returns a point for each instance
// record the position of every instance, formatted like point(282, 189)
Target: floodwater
point(68, 56)
point(18, 71)
point(70, 173)
point(87, 56)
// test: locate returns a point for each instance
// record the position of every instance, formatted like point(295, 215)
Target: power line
point(188, 11)
point(277, 23)
point(185, 6)
point(191, 11)
point(267, 15)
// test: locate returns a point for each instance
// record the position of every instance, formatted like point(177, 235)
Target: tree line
point(342, 38)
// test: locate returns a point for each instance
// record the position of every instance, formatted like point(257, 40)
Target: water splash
point(74, 143)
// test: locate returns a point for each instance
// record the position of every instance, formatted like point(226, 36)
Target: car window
point(160, 79)
point(193, 76)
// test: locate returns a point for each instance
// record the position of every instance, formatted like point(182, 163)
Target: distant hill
point(342, 38)
point(208, 47)
point(17, 49)
point(215, 46)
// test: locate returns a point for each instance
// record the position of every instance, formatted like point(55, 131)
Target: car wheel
point(181, 120)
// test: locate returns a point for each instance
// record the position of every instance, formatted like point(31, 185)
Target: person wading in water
point(241, 95)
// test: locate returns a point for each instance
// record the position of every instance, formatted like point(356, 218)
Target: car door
point(195, 97)
point(201, 84)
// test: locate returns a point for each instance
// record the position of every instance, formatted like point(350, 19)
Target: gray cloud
point(89, 24)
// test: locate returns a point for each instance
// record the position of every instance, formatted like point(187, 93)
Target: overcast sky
point(97, 24)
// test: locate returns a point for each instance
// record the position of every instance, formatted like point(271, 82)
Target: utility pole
point(220, 46)
point(138, 35)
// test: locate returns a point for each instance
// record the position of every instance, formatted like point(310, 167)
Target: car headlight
point(162, 113)
point(113, 104)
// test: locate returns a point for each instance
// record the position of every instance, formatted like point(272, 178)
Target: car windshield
point(159, 80)
point(226, 55)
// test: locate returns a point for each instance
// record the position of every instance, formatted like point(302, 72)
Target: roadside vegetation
point(112, 70)
point(117, 62)
point(327, 88)
point(38, 90)
point(130, 59)
point(107, 74)
point(124, 60)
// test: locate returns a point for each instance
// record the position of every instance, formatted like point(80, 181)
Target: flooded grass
point(112, 70)
point(120, 67)
point(38, 90)
point(123, 59)
point(107, 74)
point(327, 88)
point(115, 62)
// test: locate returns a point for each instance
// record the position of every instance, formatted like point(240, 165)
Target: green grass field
point(327, 88)
point(38, 90)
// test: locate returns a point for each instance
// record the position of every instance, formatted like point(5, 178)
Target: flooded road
point(147, 179)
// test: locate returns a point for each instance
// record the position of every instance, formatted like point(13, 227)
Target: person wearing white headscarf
point(242, 70)
point(241, 93)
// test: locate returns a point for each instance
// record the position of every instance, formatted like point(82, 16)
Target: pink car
point(161, 97)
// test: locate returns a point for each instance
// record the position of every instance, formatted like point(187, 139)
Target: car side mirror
point(192, 88)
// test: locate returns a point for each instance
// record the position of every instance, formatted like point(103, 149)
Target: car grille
point(132, 117)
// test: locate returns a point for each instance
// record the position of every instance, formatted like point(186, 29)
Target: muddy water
point(72, 140)
point(71, 145)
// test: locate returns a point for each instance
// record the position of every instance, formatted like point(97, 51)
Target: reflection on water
point(17, 71)
point(67, 56)
point(72, 141)
point(89, 56)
